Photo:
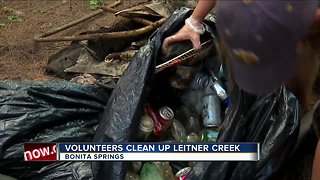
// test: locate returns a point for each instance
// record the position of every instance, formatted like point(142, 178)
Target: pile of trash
point(187, 102)
point(184, 96)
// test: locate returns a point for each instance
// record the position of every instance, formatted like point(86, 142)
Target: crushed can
point(211, 111)
point(182, 174)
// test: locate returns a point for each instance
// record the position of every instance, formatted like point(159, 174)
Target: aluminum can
point(164, 116)
point(150, 112)
point(211, 110)
point(182, 174)
point(146, 127)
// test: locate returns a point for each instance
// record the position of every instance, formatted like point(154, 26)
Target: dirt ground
point(20, 21)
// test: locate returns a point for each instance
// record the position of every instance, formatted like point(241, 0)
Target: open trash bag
point(46, 111)
point(272, 120)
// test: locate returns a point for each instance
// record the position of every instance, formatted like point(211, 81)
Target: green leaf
point(94, 4)
point(11, 18)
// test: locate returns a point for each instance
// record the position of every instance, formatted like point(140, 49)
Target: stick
point(138, 20)
point(110, 35)
point(39, 37)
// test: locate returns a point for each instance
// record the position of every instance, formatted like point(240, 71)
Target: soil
point(20, 56)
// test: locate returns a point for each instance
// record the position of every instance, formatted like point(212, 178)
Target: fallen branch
point(138, 20)
point(109, 35)
point(125, 55)
point(39, 38)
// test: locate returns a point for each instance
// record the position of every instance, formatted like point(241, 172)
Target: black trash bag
point(125, 106)
point(272, 120)
point(47, 111)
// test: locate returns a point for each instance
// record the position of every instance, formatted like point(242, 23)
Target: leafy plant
point(94, 4)
point(14, 19)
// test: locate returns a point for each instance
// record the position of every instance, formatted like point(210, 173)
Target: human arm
point(186, 33)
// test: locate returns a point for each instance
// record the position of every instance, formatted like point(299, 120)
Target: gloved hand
point(187, 32)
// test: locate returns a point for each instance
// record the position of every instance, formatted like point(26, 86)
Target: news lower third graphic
point(40, 152)
point(142, 151)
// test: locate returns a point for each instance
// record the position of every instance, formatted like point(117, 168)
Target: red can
point(182, 174)
point(162, 118)
point(149, 111)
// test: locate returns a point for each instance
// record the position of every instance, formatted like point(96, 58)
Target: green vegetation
point(14, 19)
point(94, 4)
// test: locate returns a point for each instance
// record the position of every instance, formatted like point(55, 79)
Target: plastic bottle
point(135, 166)
point(145, 128)
point(199, 82)
point(209, 135)
point(178, 131)
point(193, 98)
point(189, 119)
point(150, 171)
point(132, 176)
point(166, 170)
point(193, 137)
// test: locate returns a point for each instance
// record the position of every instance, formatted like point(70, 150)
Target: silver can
point(145, 128)
point(211, 110)
point(166, 113)
point(222, 94)
point(182, 174)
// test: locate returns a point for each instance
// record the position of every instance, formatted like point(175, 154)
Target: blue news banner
point(105, 151)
